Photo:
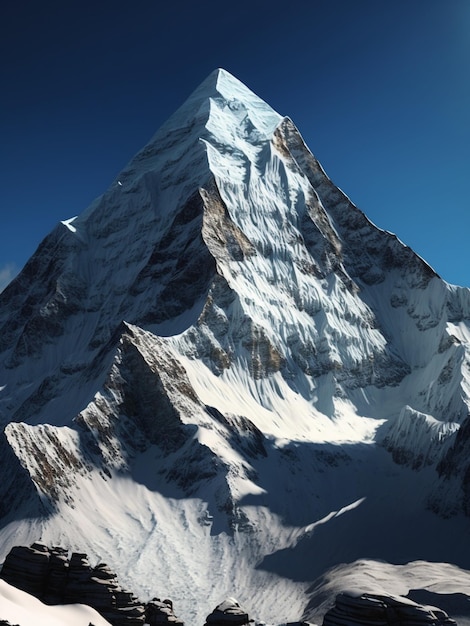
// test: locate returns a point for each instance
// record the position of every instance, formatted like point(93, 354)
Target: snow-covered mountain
point(223, 379)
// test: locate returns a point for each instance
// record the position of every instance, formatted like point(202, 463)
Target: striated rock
point(57, 575)
point(27, 568)
point(383, 610)
point(54, 578)
point(159, 612)
point(228, 612)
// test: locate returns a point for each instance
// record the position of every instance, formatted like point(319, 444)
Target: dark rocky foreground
point(383, 610)
point(55, 577)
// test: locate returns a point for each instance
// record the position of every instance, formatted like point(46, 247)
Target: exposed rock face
point(54, 578)
point(159, 612)
point(228, 613)
point(383, 610)
point(27, 568)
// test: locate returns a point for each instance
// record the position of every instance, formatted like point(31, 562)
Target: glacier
point(223, 379)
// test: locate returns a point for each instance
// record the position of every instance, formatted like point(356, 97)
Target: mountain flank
point(224, 380)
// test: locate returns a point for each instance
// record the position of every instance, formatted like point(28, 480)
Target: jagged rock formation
point(51, 576)
point(228, 613)
point(382, 610)
point(159, 612)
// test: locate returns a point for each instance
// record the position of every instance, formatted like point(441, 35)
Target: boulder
point(228, 613)
point(158, 612)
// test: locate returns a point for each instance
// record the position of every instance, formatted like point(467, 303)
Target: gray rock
point(383, 610)
point(228, 613)
point(158, 612)
point(51, 576)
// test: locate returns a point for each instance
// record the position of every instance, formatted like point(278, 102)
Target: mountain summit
point(223, 379)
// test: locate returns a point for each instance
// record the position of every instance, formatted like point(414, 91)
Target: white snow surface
point(20, 608)
point(305, 336)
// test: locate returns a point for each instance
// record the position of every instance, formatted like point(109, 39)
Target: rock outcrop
point(383, 610)
point(53, 577)
point(159, 612)
point(228, 613)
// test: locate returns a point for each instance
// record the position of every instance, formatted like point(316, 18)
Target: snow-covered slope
point(216, 367)
point(18, 607)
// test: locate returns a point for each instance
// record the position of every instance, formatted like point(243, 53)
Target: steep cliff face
point(212, 351)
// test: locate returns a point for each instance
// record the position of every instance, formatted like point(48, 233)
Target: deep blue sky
point(379, 89)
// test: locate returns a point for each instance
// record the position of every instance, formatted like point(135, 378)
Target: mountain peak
point(202, 355)
point(220, 82)
point(217, 79)
point(231, 95)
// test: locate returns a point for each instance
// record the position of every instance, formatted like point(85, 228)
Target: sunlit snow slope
point(18, 607)
point(223, 379)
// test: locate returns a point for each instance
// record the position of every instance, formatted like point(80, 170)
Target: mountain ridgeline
point(223, 378)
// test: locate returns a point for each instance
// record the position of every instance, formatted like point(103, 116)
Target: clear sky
point(379, 89)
